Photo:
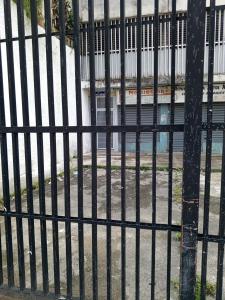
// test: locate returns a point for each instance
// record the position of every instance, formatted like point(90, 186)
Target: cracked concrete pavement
point(146, 236)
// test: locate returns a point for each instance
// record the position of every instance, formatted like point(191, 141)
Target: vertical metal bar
point(108, 144)
point(1, 262)
point(192, 146)
point(93, 147)
point(205, 39)
point(182, 45)
point(51, 109)
point(27, 144)
point(220, 259)
point(223, 41)
point(116, 38)
point(101, 48)
point(64, 96)
point(169, 42)
point(5, 184)
point(96, 52)
point(131, 36)
point(38, 112)
point(127, 36)
point(87, 52)
point(144, 44)
point(123, 148)
point(178, 45)
point(219, 41)
point(152, 46)
point(164, 23)
point(135, 35)
point(81, 37)
point(76, 40)
point(170, 174)
point(161, 52)
point(118, 50)
point(138, 135)
point(15, 141)
point(111, 42)
point(154, 145)
point(208, 149)
point(148, 48)
point(215, 44)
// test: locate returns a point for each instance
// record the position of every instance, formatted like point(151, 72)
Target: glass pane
point(101, 102)
point(101, 118)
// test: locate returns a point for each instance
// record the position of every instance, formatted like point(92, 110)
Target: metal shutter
point(218, 116)
point(178, 137)
point(217, 136)
point(179, 119)
point(146, 119)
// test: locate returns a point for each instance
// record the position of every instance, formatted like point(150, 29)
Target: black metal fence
point(191, 171)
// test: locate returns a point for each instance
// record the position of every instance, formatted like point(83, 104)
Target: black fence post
point(192, 146)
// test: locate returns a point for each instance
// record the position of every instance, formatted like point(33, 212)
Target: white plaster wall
point(44, 98)
point(86, 114)
point(131, 7)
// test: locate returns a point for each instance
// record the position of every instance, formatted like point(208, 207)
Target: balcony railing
point(165, 45)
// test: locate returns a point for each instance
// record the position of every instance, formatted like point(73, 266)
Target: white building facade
point(164, 69)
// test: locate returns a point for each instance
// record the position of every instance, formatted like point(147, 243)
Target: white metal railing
point(164, 51)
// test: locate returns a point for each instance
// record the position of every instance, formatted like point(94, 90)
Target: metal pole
point(192, 146)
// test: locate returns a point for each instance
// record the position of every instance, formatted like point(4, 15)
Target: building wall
point(131, 8)
point(163, 112)
point(44, 98)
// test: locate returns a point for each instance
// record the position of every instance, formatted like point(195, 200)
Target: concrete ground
point(146, 160)
point(146, 237)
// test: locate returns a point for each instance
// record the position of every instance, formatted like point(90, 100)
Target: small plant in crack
point(210, 288)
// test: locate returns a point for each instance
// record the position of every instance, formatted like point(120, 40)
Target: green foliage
point(68, 15)
point(177, 193)
point(178, 236)
point(210, 288)
point(69, 19)
point(26, 6)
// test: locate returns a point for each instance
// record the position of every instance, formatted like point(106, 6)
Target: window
point(164, 37)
